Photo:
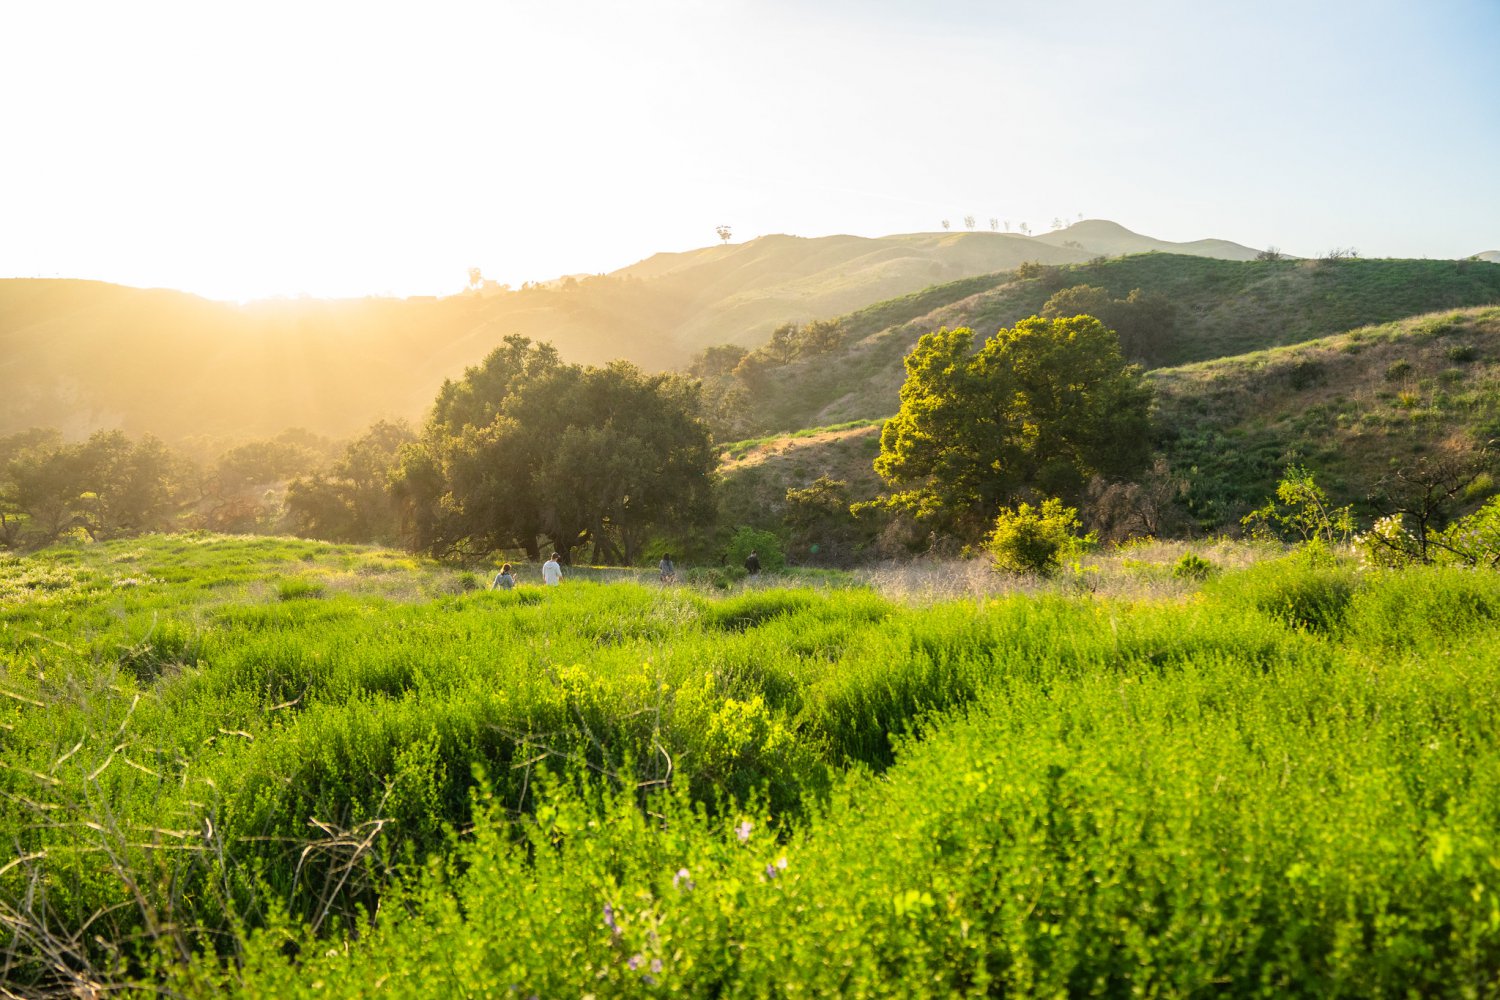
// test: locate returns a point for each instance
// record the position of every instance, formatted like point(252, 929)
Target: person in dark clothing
point(752, 563)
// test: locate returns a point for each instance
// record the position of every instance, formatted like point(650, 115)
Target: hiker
point(503, 579)
point(752, 563)
point(668, 571)
point(552, 571)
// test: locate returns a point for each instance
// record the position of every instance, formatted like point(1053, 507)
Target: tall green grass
point(1285, 782)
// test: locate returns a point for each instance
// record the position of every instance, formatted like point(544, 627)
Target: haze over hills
point(83, 356)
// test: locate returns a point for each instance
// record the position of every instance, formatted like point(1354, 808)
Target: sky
point(249, 149)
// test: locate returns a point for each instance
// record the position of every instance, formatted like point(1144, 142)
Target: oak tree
point(1038, 408)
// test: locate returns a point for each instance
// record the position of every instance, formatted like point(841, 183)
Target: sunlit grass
point(924, 780)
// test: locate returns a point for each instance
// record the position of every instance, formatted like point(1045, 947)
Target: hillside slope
point(1348, 406)
point(84, 355)
point(1223, 308)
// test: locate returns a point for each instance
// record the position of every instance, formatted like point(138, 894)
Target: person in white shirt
point(552, 571)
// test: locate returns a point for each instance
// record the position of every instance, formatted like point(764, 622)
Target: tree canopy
point(107, 486)
point(1144, 321)
point(1038, 409)
point(525, 446)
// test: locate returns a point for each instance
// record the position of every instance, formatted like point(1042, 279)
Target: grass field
point(279, 768)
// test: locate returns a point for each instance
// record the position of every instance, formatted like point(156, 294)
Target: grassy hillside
point(1349, 406)
point(1223, 308)
point(278, 768)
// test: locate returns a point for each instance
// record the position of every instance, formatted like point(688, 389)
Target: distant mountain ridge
point(1110, 239)
point(85, 355)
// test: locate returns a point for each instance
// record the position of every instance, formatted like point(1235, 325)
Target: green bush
point(766, 545)
point(1192, 566)
point(1033, 539)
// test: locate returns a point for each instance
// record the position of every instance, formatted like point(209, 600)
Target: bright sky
point(242, 149)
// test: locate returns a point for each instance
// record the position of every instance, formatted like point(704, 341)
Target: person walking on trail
point(552, 571)
point(504, 580)
point(668, 571)
point(752, 563)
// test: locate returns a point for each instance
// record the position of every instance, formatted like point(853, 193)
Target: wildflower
point(635, 962)
point(609, 919)
point(656, 966)
point(743, 830)
point(683, 879)
point(771, 872)
point(781, 862)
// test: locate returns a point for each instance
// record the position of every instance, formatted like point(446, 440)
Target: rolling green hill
point(1348, 406)
point(83, 355)
point(1223, 308)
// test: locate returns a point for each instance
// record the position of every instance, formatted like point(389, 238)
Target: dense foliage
point(105, 487)
point(525, 447)
point(1040, 407)
point(1030, 539)
point(1143, 321)
point(284, 768)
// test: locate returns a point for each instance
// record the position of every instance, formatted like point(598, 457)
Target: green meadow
point(276, 768)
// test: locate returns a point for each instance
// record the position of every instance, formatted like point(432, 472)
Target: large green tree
point(525, 447)
point(1036, 410)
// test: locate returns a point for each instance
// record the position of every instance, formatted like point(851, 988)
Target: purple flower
point(771, 872)
point(609, 919)
point(656, 966)
point(743, 830)
point(635, 962)
point(683, 879)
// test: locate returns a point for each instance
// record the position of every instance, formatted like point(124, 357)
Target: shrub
point(1192, 566)
point(1301, 509)
point(1307, 374)
point(1032, 539)
point(1397, 370)
point(765, 544)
